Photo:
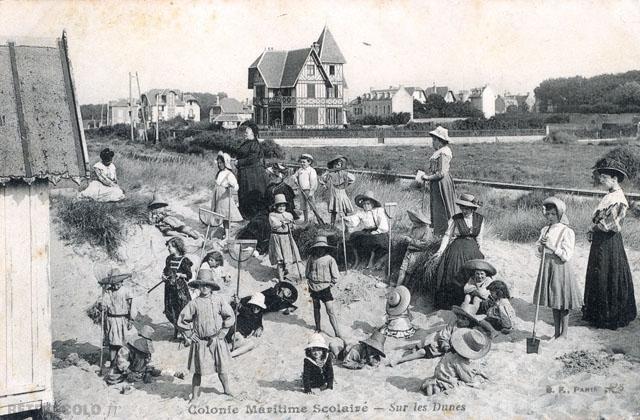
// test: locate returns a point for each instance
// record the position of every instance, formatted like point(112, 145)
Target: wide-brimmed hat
point(321, 242)
point(376, 342)
point(611, 165)
point(291, 288)
point(146, 332)
point(225, 158)
point(335, 159)
point(114, 276)
point(306, 156)
point(418, 218)
point(317, 340)
point(258, 300)
point(141, 344)
point(157, 202)
point(441, 133)
point(398, 300)
point(470, 343)
point(467, 200)
point(480, 264)
point(278, 199)
point(560, 206)
point(277, 169)
point(205, 278)
point(368, 195)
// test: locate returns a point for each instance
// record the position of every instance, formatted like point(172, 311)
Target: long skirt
point(608, 293)
point(442, 203)
point(449, 284)
point(252, 181)
point(258, 229)
point(116, 327)
point(209, 356)
point(97, 191)
point(223, 204)
point(366, 242)
point(339, 202)
point(282, 248)
point(176, 297)
point(558, 285)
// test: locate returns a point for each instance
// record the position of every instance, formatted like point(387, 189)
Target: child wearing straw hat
point(317, 371)
point(367, 352)
point(456, 367)
point(480, 275)
point(282, 247)
point(418, 241)
point(306, 178)
point(168, 223)
point(556, 286)
point(207, 320)
point(277, 173)
point(322, 273)
point(117, 301)
point(224, 187)
point(399, 318)
point(373, 236)
point(248, 324)
point(337, 179)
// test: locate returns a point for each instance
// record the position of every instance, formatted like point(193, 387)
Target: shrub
point(104, 225)
point(560, 137)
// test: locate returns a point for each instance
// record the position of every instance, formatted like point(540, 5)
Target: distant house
point(302, 88)
point(165, 104)
point(383, 102)
point(508, 102)
point(484, 99)
point(417, 93)
point(118, 112)
point(462, 96)
point(443, 91)
point(229, 113)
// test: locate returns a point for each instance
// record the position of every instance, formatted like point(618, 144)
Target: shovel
point(533, 343)
point(390, 210)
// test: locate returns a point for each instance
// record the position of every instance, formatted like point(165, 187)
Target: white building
point(382, 102)
point(484, 100)
point(165, 104)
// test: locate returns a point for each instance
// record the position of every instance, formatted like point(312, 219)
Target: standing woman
point(442, 190)
point(225, 184)
point(608, 296)
point(251, 173)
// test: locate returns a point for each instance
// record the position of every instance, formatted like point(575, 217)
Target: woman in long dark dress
point(251, 173)
point(608, 294)
point(461, 242)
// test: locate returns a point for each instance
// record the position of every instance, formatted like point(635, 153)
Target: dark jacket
point(314, 376)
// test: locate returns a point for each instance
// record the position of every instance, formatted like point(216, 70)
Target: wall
point(397, 141)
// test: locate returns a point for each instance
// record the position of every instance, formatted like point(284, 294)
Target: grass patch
point(102, 225)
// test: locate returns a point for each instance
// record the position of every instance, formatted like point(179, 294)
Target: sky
point(207, 46)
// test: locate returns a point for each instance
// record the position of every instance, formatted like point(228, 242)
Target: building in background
point(443, 91)
point(381, 102)
point(301, 88)
point(484, 100)
point(118, 112)
point(229, 113)
point(166, 104)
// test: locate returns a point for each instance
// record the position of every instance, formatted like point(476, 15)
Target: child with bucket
point(317, 371)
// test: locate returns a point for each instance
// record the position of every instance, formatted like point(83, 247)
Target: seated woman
point(374, 234)
point(104, 186)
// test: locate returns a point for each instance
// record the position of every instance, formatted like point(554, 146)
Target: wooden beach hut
point(41, 142)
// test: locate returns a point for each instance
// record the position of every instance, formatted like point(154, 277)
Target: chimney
point(316, 47)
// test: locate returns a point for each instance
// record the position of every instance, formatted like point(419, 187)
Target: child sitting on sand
point(417, 244)
point(480, 275)
point(322, 273)
point(337, 179)
point(214, 261)
point(168, 223)
point(500, 313)
point(366, 353)
point(282, 248)
point(456, 367)
point(317, 372)
point(208, 319)
point(399, 318)
point(244, 337)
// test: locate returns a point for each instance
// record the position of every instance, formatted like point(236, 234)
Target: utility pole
point(101, 111)
point(157, 118)
point(142, 109)
point(130, 109)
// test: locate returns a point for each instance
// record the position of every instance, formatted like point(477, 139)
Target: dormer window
point(311, 70)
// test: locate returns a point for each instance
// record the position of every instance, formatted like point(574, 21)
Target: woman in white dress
point(223, 202)
point(104, 186)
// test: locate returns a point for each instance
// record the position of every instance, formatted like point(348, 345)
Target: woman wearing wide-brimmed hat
point(442, 191)
point(225, 184)
point(373, 236)
point(461, 242)
point(337, 179)
point(609, 296)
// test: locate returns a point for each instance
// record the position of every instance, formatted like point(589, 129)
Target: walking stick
point(389, 209)
point(533, 343)
point(228, 230)
point(344, 246)
point(293, 252)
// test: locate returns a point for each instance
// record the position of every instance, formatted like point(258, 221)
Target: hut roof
point(40, 125)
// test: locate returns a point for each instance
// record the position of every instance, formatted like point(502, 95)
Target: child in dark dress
point(176, 273)
point(317, 373)
point(248, 329)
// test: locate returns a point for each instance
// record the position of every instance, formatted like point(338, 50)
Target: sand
point(268, 380)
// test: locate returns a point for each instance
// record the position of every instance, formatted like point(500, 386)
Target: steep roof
point(41, 132)
point(293, 65)
point(231, 106)
point(436, 90)
point(280, 69)
point(329, 50)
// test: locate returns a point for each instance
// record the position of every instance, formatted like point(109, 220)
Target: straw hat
point(480, 264)
point(560, 206)
point(332, 162)
point(417, 218)
point(141, 344)
point(368, 195)
point(376, 342)
point(467, 200)
point(226, 159)
point(398, 300)
point(277, 169)
point(114, 277)
point(157, 202)
point(288, 289)
point(317, 340)
point(441, 133)
point(611, 165)
point(146, 332)
point(306, 156)
point(278, 199)
point(258, 300)
point(321, 242)
point(469, 343)
point(205, 278)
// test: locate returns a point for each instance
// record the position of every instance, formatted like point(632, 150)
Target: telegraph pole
point(130, 109)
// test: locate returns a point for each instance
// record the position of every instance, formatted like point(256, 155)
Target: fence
point(391, 132)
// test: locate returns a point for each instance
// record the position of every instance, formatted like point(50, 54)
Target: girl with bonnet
point(225, 184)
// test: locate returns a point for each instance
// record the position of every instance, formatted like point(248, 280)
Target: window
point(311, 70)
point(332, 70)
point(311, 90)
point(332, 116)
point(336, 91)
point(311, 116)
point(260, 91)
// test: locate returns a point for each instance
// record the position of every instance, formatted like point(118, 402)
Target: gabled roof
point(280, 69)
point(188, 97)
point(329, 50)
point(436, 90)
point(152, 93)
point(293, 65)
point(41, 135)
point(231, 106)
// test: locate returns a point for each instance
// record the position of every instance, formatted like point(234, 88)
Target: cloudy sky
point(207, 46)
